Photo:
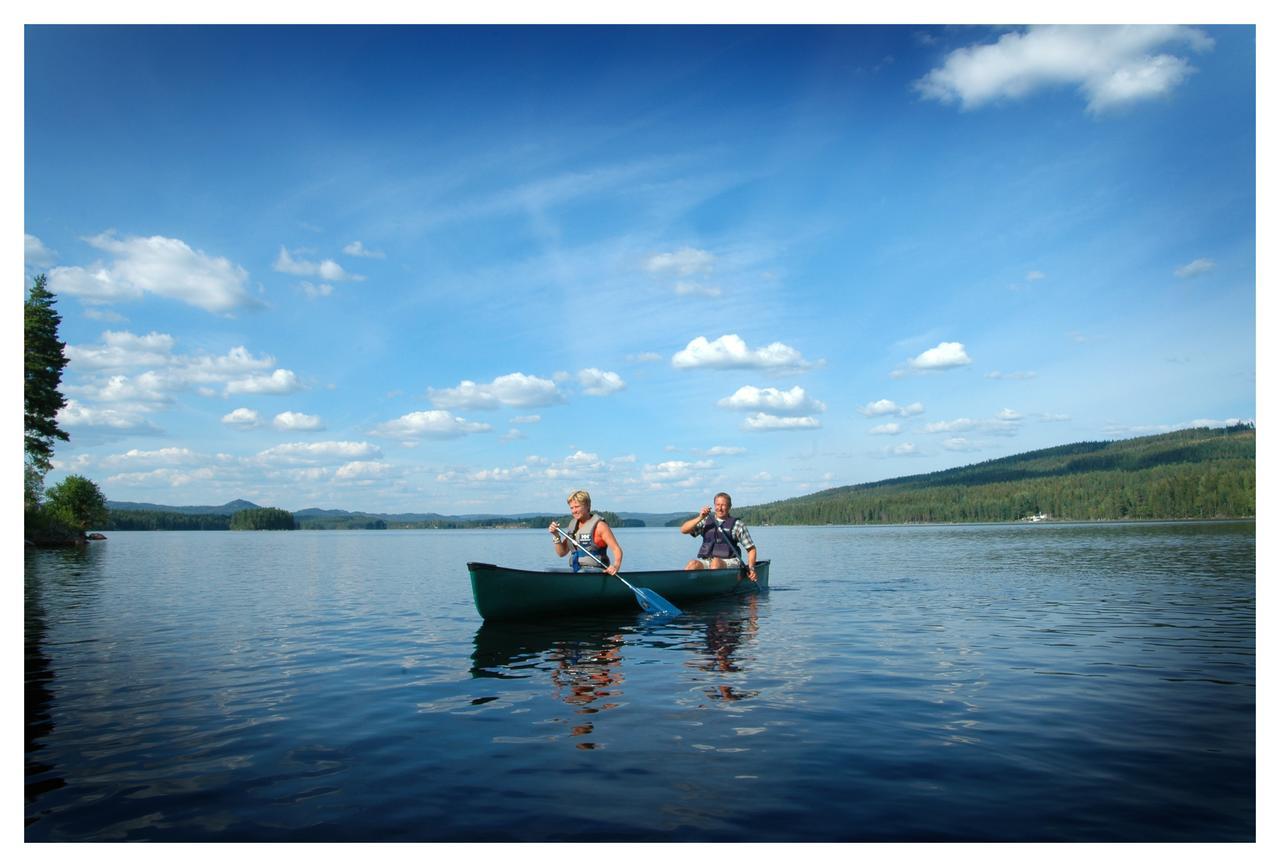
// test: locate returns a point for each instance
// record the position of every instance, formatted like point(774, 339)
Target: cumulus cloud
point(1145, 429)
point(513, 389)
point(356, 248)
point(333, 452)
point(942, 357)
point(316, 290)
point(763, 421)
point(905, 450)
point(363, 470)
point(599, 383)
point(1113, 66)
point(643, 358)
point(791, 402)
point(278, 382)
point(242, 417)
point(36, 255)
point(429, 424)
point(297, 421)
point(172, 456)
point(888, 429)
point(121, 350)
point(888, 407)
point(326, 269)
point(716, 451)
point(526, 419)
point(1194, 268)
point(1015, 374)
point(731, 351)
point(691, 287)
point(161, 266)
point(118, 420)
point(163, 476)
point(960, 444)
point(680, 473)
point(683, 262)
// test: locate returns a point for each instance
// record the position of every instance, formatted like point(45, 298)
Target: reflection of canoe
point(502, 593)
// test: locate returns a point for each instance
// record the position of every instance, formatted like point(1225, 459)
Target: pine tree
point(42, 376)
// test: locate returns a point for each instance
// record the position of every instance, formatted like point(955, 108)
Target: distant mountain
point(1187, 474)
point(225, 509)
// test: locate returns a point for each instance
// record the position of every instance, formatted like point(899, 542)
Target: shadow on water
point(58, 580)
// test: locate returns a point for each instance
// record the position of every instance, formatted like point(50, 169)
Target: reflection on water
point(902, 683)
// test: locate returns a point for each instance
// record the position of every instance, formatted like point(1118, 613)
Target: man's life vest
point(585, 535)
point(717, 540)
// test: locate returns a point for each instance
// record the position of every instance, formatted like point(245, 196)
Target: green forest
point(1199, 473)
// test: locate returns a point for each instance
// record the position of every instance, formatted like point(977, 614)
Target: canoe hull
point(502, 593)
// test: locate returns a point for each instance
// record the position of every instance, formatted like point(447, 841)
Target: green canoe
point(502, 593)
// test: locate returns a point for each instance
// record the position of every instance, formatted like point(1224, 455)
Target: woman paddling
point(592, 533)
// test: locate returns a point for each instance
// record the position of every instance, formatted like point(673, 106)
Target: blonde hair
point(580, 497)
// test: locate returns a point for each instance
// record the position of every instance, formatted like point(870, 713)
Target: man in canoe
point(592, 533)
point(723, 538)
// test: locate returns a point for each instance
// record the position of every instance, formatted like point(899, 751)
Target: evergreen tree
point(42, 376)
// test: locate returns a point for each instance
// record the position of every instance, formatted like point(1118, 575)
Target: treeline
point(1188, 474)
point(263, 519)
point(537, 522)
point(120, 519)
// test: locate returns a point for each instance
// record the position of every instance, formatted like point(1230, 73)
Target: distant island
point(1201, 473)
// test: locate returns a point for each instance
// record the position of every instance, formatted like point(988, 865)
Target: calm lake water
point(1029, 682)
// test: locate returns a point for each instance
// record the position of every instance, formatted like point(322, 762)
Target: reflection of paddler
point(722, 639)
point(584, 675)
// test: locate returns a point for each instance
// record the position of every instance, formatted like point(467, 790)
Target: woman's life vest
point(585, 535)
point(717, 540)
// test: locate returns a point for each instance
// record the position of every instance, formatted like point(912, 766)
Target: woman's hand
point(554, 529)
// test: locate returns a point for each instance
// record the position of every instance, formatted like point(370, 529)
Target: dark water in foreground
point(1032, 682)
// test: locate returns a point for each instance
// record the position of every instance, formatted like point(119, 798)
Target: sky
point(472, 269)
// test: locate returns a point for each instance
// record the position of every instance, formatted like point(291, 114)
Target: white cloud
point(104, 315)
point(526, 419)
point(1194, 268)
point(144, 389)
point(763, 421)
point(1016, 374)
point(1113, 66)
point(689, 287)
point(683, 262)
point(716, 451)
point(643, 358)
point(166, 267)
point(36, 255)
point(164, 476)
point(318, 453)
point(326, 269)
point(905, 450)
point(356, 248)
point(960, 444)
point(1142, 430)
point(942, 357)
point(888, 429)
point(297, 421)
point(243, 417)
point(599, 383)
point(360, 470)
point(1033, 276)
point(314, 291)
point(791, 402)
point(172, 456)
point(76, 414)
point(279, 382)
point(731, 351)
point(1006, 423)
point(513, 389)
point(122, 349)
point(673, 472)
point(888, 407)
point(429, 424)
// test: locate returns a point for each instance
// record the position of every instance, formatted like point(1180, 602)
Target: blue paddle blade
point(652, 603)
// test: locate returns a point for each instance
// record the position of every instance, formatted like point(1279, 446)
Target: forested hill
point(1198, 473)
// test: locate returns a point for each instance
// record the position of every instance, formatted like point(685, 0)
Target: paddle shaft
point(575, 543)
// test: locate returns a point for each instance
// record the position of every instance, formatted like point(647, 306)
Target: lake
point(1035, 682)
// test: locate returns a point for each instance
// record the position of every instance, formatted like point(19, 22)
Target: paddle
point(649, 600)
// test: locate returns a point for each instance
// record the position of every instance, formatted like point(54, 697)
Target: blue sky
point(471, 269)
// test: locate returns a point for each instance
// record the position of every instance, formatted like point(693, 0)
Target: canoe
point(503, 593)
